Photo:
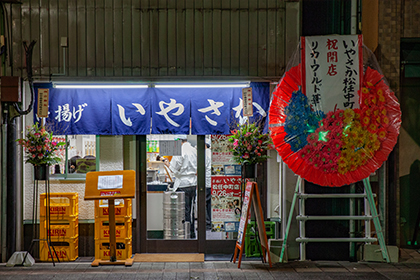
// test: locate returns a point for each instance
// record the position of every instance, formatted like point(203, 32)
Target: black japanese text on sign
point(332, 70)
point(43, 94)
point(247, 102)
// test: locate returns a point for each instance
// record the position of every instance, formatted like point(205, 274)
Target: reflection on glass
point(225, 190)
point(165, 218)
point(81, 154)
point(167, 209)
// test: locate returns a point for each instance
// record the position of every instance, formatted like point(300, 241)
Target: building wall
point(110, 159)
point(127, 40)
point(398, 19)
point(79, 40)
point(149, 39)
point(390, 27)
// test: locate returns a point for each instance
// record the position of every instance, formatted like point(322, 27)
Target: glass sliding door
point(162, 226)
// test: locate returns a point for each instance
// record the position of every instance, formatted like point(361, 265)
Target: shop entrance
point(158, 214)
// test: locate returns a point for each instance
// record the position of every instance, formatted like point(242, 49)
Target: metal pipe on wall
point(3, 187)
point(11, 183)
point(352, 205)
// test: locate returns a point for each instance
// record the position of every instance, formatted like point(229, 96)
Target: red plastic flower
point(382, 134)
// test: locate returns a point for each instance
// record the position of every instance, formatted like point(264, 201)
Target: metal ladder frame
point(369, 205)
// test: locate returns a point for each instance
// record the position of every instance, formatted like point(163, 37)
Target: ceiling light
point(236, 85)
point(98, 86)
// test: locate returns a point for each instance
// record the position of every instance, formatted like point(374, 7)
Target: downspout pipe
point(352, 206)
point(11, 167)
point(11, 188)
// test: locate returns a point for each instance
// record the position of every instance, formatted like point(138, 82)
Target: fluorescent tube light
point(242, 85)
point(76, 85)
point(99, 86)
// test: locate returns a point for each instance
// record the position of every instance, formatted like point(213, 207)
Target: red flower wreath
point(346, 146)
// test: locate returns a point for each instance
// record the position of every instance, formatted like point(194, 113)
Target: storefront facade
point(157, 42)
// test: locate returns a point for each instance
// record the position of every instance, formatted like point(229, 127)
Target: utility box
point(10, 89)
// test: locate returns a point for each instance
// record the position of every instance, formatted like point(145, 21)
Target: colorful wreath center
point(338, 147)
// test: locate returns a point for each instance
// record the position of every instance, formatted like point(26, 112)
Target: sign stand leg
point(112, 238)
point(289, 221)
point(376, 221)
point(112, 185)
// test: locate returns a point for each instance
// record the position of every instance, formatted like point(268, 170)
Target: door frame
point(199, 245)
point(146, 245)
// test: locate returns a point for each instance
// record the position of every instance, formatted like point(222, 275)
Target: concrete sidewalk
point(407, 268)
point(216, 270)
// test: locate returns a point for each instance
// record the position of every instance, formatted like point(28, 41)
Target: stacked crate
point(123, 229)
point(64, 227)
point(252, 246)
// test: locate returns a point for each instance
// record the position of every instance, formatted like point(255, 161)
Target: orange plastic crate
point(62, 205)
point(124, 209)
point(66, 251)
point(123, 250)
point(60, 229)
point(123, 228)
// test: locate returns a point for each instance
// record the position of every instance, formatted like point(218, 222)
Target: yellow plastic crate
point(62, 205)
point(60, 229)
point(66, 251)
point(123, 228)
point(120, 232)
point(120, 241)
point(123, 250)
point(123, 209)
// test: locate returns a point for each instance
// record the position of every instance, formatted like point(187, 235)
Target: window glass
point(77, 158)
point(224, 199)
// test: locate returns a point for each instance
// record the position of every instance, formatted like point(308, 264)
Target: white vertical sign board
point(43, 96)
point(170, 148)
point(332, 68)
point(110, 182)
point(247, 102)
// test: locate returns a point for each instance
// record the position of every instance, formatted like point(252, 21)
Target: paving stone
point(142, 276)
point(402, 275)
point(216, 271)
point(210, 276)
point(183, 275)
point(169, 276)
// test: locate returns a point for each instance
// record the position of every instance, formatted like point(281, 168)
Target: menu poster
point(110, 182)
point(170, 148)
point(251, 194)
point(220, 147)
point(225, 201)
point(245, 213)
point(220, 143)
point(221, 158)
point(231, 226)
point(233, 170)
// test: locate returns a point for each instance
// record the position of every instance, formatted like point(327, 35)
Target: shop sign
point(204, 111)
point(247, 102)
point(42, 103)
point(332, 71)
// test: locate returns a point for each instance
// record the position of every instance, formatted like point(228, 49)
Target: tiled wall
point(388, 52)
point(397, 19)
